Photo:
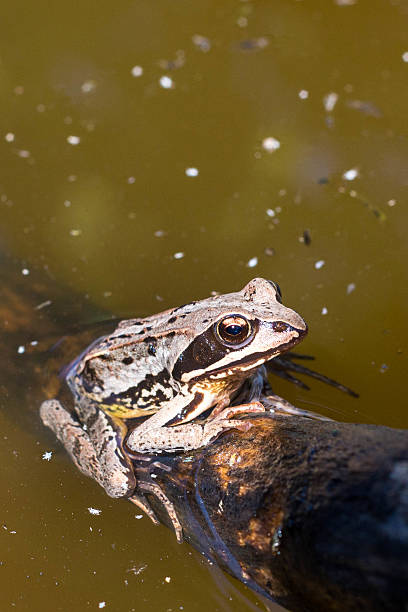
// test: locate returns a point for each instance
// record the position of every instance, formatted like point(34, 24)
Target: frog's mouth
point(251, 362)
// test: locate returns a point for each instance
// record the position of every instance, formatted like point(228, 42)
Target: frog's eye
point(233, 329)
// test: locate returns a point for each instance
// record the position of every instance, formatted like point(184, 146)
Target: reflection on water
point(154, 152)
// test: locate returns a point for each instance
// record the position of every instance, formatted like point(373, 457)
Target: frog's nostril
point(280, 326)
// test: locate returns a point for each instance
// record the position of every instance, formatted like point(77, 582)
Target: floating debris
point(271, 144)
point(21, 349)
point(75, 232)
point(101, 604)
point(167, 579)
point(392, 203)
point(73, 140)
point(94, 511)
point(303, 94)
point(351, 174)
point(350, 288)
point(178, 255)
point(88, 86)
point(252, 262)
point(9, 137)
point(270, 212)
point(319, 264)
point(330, 101)
point(201, 42)
point(269, 251)
point(166, 82)
point(47, 456)
point(368, 108)
point(24, 153)
point(254, 44)
point(324, 310)
point(136, 71)
point(307, 239)
point(25, 271)
point(192, 171)
point(43, 305)
point(345, 2)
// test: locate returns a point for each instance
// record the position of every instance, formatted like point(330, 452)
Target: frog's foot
point(141, 502)
point(278, 405)
point(156, 490)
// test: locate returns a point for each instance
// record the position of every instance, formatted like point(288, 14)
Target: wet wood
point(311, 513)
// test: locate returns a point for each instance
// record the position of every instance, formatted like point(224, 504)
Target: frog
point(142, 389)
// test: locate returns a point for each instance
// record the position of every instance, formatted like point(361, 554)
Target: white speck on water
point(392, 203)
point(40, 108)
point(270, 212)
point(67, 203)
point(136, 71)
point(88, 86)
point(252, 262)
point(167, 579)
point(159, 233)
point(203, 43)
point(324, 310)
point(43, 304)
point(303, 94)
point(21, 349)
point(138, 516)
point(330, 101)
point(72, 178)
point(19, 90)
point(47, 455)
point(9, 137)
point(242, 22)
point(94, 511)
point(73, 140)
point(351, 174)
point(131, 180)
point(405, 57)
point(75, 232)
point(34, 342)
point(350, 288)
point(166, 82)
point(192, 172)
point(25, 271)
point(271, 144)
point(319, 264)
point(24, 153)
point(101, 604)
point(178, 255)
point(345, 2)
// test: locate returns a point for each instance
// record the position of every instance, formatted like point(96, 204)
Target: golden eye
point(233, 330)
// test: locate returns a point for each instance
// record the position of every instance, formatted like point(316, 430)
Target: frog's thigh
point(95, 452)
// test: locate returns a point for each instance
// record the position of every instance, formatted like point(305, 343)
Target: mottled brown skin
point(313, 513)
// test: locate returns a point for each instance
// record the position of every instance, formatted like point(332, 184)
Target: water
point(93, 186)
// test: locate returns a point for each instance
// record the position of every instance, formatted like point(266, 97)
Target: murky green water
point(93, 185)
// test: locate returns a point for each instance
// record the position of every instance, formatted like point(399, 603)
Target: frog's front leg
point(153, 438)
point(95, 451)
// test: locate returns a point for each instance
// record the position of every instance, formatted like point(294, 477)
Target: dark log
point(311, 513)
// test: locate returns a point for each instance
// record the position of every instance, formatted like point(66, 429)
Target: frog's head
point(237, 332)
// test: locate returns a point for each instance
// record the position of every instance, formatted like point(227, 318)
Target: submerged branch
point(311, 513)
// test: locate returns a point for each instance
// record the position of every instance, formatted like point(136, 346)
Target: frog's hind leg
point(94, 450)
point(155, 489)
